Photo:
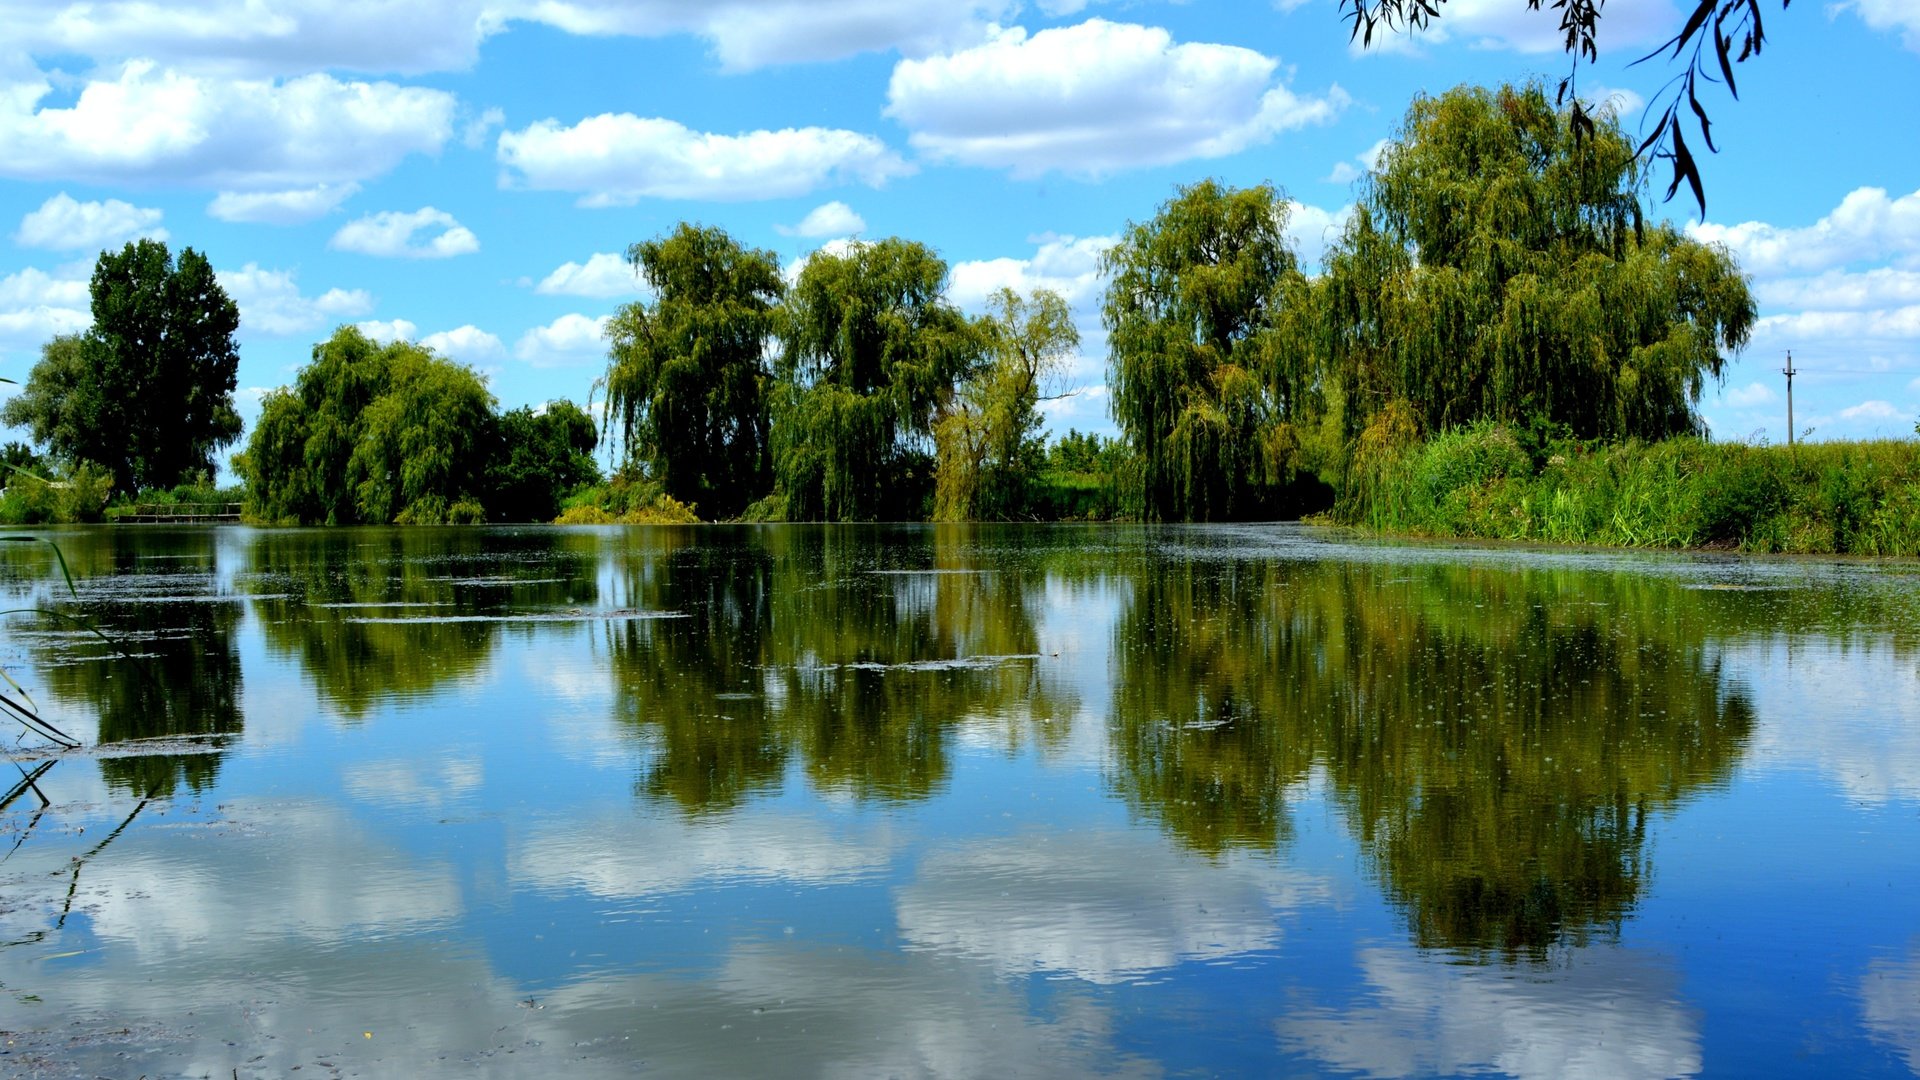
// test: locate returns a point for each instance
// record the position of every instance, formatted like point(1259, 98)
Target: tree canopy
point(1715, 36)
point(1201, 387)
point(686, 375)
point(1499, 266)
point(147, 391)
point(988, 439)
point(871, 349)
point(372, 434)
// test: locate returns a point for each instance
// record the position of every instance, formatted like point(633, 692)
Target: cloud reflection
point(1605, 1012)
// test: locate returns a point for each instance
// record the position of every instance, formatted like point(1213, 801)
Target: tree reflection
point(150, 652)
point(1495, 739)
point(854, 651)
point(377, 615)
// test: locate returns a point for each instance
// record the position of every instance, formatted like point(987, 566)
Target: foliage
point(871, 351)
point(1498, 267)
point(77, 495)
point(147, 392)
point(1738, 33)
point(372, 434)
point(1201, 387)
point(1855, 498)
point(1082, 479)
point(541, 458)
point(988, 440)
point(629, 498)
point(686, 374)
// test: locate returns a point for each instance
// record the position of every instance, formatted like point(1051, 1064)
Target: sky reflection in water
point(961, 801)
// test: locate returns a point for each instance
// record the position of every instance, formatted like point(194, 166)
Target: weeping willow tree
point(872, 349)
point(988, 441)
point(1499, 267)
point(686, 374)
point(1202, 387)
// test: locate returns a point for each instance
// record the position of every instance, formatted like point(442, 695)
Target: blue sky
point(469, 173)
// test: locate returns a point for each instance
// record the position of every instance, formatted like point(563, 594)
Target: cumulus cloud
point(1872, 410)
point(388, 331)
point(1312, 230)
point(604, 276)
point(828, 219)
point(391, 235)
point(619, 159)
point(1750, 395)
point(468, 344)
point(748, 34)
point(1068, 265)
point(569, 340)
point(1866, 225)
point(271, 302)
point(63, 223)
point(1095, 98)
point(1498, 24)
point(1887, 324)
point(1842, 290)
point(290, 207)
point(36, 305)
point(154, 125)
point(1892, 15)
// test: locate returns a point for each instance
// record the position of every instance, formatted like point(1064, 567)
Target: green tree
point(872, 349)
point(686, 374)
point(147, 393)
point(542, 456)
point(1499, 266)
point(372, 434)
point(1720, 33)
point(988, 440)
point(1201, 388)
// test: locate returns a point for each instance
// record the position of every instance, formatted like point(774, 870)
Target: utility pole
point(1788, 371)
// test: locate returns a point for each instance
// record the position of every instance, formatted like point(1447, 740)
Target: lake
point(953, 801)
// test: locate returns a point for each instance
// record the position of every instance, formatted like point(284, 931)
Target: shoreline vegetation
point(1502, 344)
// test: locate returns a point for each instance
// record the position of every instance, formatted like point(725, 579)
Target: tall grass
point(1489, 481)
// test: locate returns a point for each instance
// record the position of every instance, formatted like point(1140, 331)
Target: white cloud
point(290, 207)
point(390, 235)
point(567, 341)
point(1501, 24)
point(1890, 1003)
point(476, 131)
point(1842, 289)
point(271, 302)
point(149, 124)
point(468, 344)
point(63, 223)
point(1068, 265)
point(1313, 230)
point(837, 246)
point(36, 305)
point(1750, 395)
point(1624, 103)
point(1343, 173)
point(750, 34)
point(1370, 157)
point(1901, 15)
point(1888, 324)
point(828, 219)
point(604, 276)
point(619, 159)
point(1866, 225)
point(388, 331)
point(1095, 98)
point(1872, 410)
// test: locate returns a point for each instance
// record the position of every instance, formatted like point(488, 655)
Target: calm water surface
point(957, 801)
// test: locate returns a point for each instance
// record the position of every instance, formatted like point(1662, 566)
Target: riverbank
point(1484, 481)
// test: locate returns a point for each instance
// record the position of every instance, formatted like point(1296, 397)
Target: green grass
point(1481, 481)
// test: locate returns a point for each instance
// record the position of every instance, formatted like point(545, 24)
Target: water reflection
point(1605, 1012)
point(854, 651)
point(380, 615)
point(147, 651)
point(1495, 739)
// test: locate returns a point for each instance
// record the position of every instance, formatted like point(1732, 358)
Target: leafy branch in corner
point(1717, 35)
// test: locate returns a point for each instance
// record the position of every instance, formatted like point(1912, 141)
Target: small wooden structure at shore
point(182, 514)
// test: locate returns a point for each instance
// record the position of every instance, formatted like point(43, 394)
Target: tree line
point(1499, 266)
